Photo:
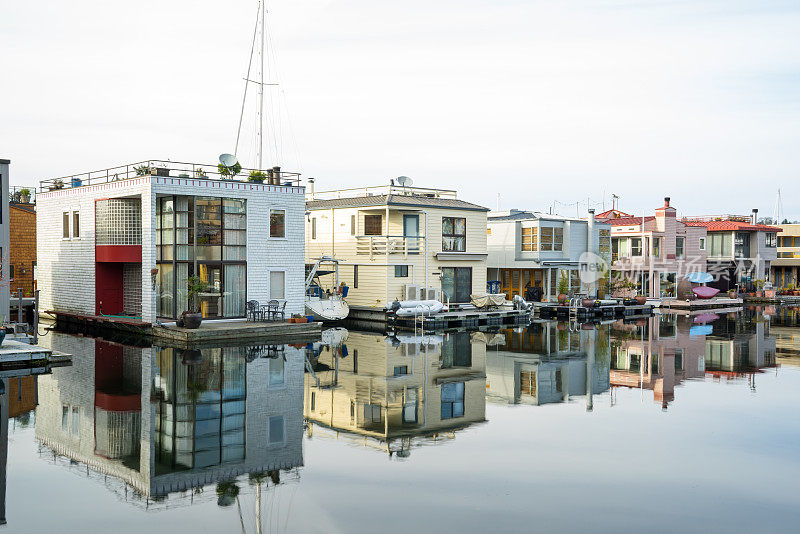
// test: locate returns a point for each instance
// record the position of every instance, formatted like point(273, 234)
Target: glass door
point(457, 283)
point(411, 233)
point(211, 298)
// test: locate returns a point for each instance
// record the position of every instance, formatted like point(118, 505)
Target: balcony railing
point(173, 169)
point(381, 245)
point(382, 190)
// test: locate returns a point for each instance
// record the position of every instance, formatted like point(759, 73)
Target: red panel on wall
point(118, 253)
point(108, 288)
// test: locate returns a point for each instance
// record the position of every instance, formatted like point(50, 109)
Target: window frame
point(454, 236)
point(401, 269)
point(271, 296)
point(76, 224)
point(533, 239)
point(633, 248)
point(682, 248)
point(65, 224)
point(282, 225)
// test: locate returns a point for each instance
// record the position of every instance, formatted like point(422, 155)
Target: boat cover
point(490, 299)
point(699, 278)
point(705, 292)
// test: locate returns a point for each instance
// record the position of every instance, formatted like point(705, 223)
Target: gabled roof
point(730, 226)
point(410, 201)
point(612, 214)
point(520, 215)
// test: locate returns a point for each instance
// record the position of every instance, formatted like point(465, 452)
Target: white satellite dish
point(229, 160)
point(404, 181)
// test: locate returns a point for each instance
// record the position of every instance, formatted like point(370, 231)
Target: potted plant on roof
point(229, 172)
point(257, 176)
point(192, 318)
point(57, 184)
point(25, 195)
point(142, 170)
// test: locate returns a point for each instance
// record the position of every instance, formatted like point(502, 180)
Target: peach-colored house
point(654, 251)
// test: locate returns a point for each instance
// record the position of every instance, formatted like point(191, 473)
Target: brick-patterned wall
point(23, 246)
point(66, 269)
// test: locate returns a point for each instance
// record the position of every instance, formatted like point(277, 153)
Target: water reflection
point(162, 427)
point(166, 421)
point(398, 391)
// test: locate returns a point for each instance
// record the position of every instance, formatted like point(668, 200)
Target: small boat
point(409, 308)
point(705, 292)
point(326, 305)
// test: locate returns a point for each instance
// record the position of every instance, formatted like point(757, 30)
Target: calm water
point(669, 424)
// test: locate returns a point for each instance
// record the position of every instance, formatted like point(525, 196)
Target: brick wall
point(23, 246)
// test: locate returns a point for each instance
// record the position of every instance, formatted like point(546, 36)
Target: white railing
point(382, 190)
point(381, 245)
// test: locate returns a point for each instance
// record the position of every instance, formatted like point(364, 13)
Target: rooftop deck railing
point(382, 190)
point(174, 169)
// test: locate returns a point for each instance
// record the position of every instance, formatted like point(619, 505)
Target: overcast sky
point(540, 101)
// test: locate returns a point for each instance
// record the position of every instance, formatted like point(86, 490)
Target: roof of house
point(519, 215)
point(612, 214)
point(629, 221)
point(729, 226)
point(23, 207)
point(394, 200)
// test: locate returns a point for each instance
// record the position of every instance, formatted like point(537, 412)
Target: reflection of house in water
point(398, 392)
point(546, 363)
point(656, 353)
point(740, 346)
point(17, 400)
point(784, 327)
point(164, 420)
point(661, 352)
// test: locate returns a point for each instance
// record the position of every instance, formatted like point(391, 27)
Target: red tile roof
point(729, 226)
point(610, 214)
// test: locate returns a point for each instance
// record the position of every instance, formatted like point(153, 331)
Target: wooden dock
point(218, 333)
point(468, 318)
point(550, 310)
point(700, 304)
point(18, 354)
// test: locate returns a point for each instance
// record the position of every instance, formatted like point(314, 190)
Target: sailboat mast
point(261, 96)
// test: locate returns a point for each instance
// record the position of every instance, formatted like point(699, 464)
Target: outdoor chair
point(271, 309)
point(280, 312)
point(254, 311)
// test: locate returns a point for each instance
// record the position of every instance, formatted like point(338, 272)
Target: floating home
point(120, 243)
point(653, 251)
point(399, 243)
point(740, 250)
point(538, 249)
point(785, 269)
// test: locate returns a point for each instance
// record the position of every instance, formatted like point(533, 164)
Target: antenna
point(404, 181)
point(228, 161)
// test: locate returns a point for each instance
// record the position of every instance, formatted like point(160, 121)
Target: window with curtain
point(679, 247)
point(454, 234)
point(234, 292)
point(277, 285)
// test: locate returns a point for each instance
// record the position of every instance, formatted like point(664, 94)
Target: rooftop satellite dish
point(229, 160)
point(404, 181)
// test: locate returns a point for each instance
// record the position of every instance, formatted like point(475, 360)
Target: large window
point(204, 237)
point(277, 223)
point(373, 224)
point(530, 240)
point(118, 221)
point(721, 244)
point(454, 234)
point(551, 238)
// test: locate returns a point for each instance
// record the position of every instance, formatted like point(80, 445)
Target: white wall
point(5, 241)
